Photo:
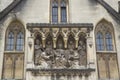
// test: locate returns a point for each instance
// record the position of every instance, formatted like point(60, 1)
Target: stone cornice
point(9, 8)
point(110, 10)
point(61, 71)
point(59, 25)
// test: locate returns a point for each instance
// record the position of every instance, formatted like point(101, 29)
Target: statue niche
point(60, 42)
point(82, 50)
point(49, 41)
point(71, 42)
point(40, 56)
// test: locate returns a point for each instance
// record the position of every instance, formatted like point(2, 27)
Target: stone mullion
point(15, 40)
point(54, 42)
point(67, 10)
point(77, 76)
point(65, 42)
point(43, 42)
point(14, 57)
point(54, 76)
point(107, 65)
point(76, 39)
point(83, 76)
point(72, 76)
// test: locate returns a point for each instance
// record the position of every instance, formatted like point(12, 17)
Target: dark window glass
point(109, 45)
point(99, 42)
point(63, 12)
point(20, 41)
point(54, 12)
point(10, 41)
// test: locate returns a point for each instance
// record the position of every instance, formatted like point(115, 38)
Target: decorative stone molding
point(83, 72)
point(67, 55)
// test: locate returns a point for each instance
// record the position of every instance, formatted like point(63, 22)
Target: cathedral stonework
point(59, 40)
point(60, 52)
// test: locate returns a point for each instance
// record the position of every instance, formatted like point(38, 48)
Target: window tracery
point(104, 38)
point(104, 46)
point(13, 66)
point(59, 11)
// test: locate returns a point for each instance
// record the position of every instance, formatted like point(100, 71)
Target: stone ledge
point(61, 70)
point(59, 25)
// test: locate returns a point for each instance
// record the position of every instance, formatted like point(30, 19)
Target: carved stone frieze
point(58, 49)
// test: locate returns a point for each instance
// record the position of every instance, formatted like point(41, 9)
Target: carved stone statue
point(82, 53)
point(40, 55)
point(38, 51)
point(51, 56)
point(59, 58)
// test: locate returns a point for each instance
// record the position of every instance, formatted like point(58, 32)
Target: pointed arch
point(71, 41)
point(104, 27)
point(104, 24)
point(63, 7)
point(59, 11)
point(82, 37)
point(17, 29)
point(49, 41)
point(105, 46)
point(60, 42)
point(54, 11)
point(14, 43)
point(38, 40)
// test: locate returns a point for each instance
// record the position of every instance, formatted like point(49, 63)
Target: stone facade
point(60, 51)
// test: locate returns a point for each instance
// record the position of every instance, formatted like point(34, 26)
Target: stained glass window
point(99, 41)
point(63, 12)
point(109, 44)
point(20, 41)
point(10, 41)
point(54, 12)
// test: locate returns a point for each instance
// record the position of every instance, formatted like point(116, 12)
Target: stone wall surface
point(38, 11)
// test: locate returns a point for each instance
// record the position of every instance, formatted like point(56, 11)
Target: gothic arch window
point(105, 37)
point(14, 52)
point(60, 42)
point(59, 9)
point(63, 11)
point(106, 52)
point(55, 11)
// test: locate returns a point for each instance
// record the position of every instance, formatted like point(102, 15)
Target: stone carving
point(38, 52)
point(60, 58)
point(82, 52)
